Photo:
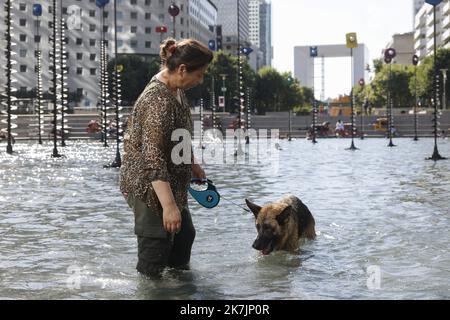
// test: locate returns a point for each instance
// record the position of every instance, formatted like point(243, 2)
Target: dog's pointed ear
point(282, 217)
point(253, 207)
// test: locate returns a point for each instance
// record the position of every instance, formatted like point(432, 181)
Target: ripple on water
point(67, 233)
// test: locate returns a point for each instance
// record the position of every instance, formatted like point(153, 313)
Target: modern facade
point(424, 28)
point(136, 23)
point(260, 26)
point(417, 5)
point(228, 19)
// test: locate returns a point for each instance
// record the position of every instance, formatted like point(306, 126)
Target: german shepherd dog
point(282, 224)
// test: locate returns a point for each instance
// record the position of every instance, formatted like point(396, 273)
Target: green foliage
point(135, 75)
point(270, 89)
point(404, 82)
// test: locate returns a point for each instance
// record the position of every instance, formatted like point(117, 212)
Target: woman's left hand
point(197, 172)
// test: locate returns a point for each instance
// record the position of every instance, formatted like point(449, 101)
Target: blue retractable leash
point(209, 198)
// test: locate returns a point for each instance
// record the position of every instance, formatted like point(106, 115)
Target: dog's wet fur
point(282, 224)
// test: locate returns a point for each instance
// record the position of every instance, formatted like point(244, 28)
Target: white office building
point(424, 28)
point(228, 19)
point(260, 28)
point(136, 23)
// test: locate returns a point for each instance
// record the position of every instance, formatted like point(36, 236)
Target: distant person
point(340, 128)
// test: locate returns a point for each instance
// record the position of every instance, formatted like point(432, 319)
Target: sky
point(318, 22)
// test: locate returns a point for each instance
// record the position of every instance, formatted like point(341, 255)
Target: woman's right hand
point(172, 218)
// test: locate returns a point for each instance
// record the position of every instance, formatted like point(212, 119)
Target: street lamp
point(415, 62)
point(246, 51)
point(174, 11)
point(117, 163)
point(224, 90)
point(240, 80)
point(63, 72)
point(362, 83)
point(436, 156)
point(352, 43)
point(103, 72)
point(313, 53)
point(55, 57)
point(9, 89)
point(389, 55)
point(37, 12)
point(444, 87)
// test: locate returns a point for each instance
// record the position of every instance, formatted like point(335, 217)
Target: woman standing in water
point(153, 185)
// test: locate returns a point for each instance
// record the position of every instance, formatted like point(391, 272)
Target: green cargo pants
point(157, 248)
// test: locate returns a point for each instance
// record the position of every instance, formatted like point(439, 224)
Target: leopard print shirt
point(148, 146)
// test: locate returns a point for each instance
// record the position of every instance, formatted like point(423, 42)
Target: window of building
point(91, 13)
point(50, 9)
point(148, 16)
point(119, 14)
point(182, 34)
point(80, 92)
point(133, 2)
point(37, 23)
point(161, 3)
point(22, 6)
point(133, 15)
point(133, 29)
point(37, 39)
point(148, 30)
point(133, 43)
point(92, 56)
point(23, 37)
point(105, 28)
point(50, 24)
point(79, 71)
point(23, 89)
point(148, 2)
point(105, 14)
point(79, 56)
point(92, 27)
point(64, 10)
point(161, 17)
point(79, 41)
point(92, 42)
point(23, 22)
point(23, 53)
point(148, 44)
point(181, 21)
point(93, 71)
point(23, 68)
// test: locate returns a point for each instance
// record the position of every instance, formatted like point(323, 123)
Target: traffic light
point(352, 41)
point(236, 104)
point(212, 45)
point(219, 37)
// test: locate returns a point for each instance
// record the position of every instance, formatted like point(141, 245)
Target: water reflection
point(66, 232)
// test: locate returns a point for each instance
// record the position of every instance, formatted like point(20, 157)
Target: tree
point(135, 75)
point(223, 64)
point(425, 75)
point(377, 91)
